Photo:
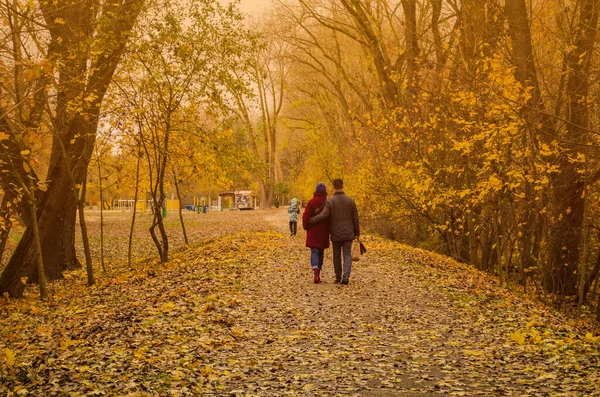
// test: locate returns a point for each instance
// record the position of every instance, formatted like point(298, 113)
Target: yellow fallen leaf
point(474, 352)
point(534, 323)
point(519, 337)
point(10, 357)
point(67, 342)
point(44, 330)
point(546, 375)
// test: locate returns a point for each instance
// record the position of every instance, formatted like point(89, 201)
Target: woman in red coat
point(317, 236)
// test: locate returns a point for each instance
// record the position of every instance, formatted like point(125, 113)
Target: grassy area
point(117, 224)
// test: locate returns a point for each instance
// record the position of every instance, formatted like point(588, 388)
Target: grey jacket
point(343, 217)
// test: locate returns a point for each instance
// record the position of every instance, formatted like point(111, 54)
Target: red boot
point(317, 273)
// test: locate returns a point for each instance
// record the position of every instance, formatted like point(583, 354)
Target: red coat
point(317, 236)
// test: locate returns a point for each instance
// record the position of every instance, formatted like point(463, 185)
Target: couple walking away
point(337, 216)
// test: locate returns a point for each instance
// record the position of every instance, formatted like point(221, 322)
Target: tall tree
point(564, 246)
point(184, 51)
point(539, 128)
point(87, 40)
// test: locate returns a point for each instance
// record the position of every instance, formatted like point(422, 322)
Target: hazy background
point(254, 7)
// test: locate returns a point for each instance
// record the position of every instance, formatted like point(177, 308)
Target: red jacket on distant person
point(317, 236)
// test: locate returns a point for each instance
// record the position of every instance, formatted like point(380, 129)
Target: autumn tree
point(255, 97)
point(564, 245)
point(85, 43)
point(471, 128)
point(181, 55)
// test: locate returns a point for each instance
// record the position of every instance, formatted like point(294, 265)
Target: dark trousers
point(293, 227)
point(339, 248)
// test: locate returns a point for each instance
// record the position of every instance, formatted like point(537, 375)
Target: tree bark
point(56, 224)
point(412, 44)
point(84, 236)
point(473, 25)
point(5, 224)
point(440, 54)
point(568, 185)
point(135, 200)
point(591, 278)
point(185, 236)
point(101, 214)
point(37, 242)
point(157, 187)
point(539, 129)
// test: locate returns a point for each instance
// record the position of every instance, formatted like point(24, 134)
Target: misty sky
point(254, 7)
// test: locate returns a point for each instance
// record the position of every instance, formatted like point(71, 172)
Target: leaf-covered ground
point(239, 315)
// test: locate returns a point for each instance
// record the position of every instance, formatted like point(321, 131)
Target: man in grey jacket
point(340, 210)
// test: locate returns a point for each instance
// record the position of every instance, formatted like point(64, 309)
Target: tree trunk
point(5, 224)
point(185, 237)
point(162, 245)
point(38, 246)
point(157, 189)
point(591, 278)
point(135, 200)
point(464, 241)
point(489, 257)
point(440, 53)
point(598, 309)
point(526, 240)
point(412, 46)
point(84, 236)
point(472, 237)
point(101, 214)
point(564, 248)
point(473, 25)
point(265, 204)
point(540, 128)
point(56, 223)
point(497, 247)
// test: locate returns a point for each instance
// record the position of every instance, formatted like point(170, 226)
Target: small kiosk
point(242, 200)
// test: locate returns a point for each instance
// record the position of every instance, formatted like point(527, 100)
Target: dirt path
point(241, 316)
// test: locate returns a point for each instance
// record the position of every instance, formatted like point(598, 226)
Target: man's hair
point(338, 184)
